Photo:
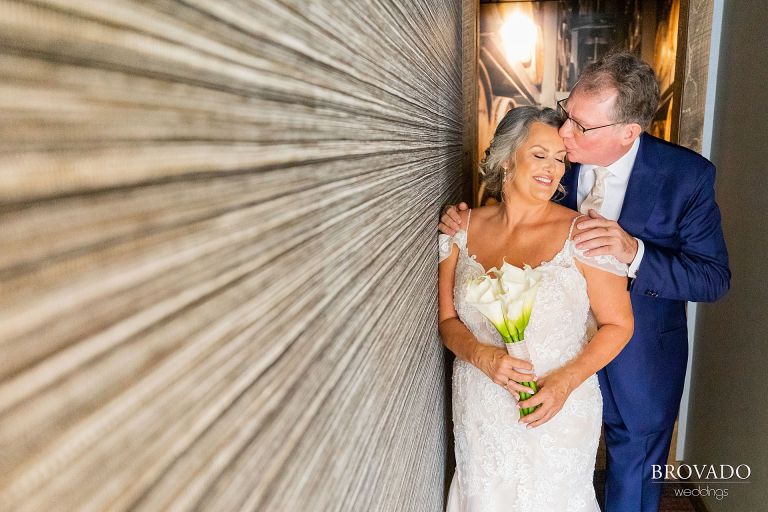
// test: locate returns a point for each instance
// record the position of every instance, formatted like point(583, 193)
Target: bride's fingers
point(510, 384)
point(517, 369)
point(542, 421)
point(539, 416)
point(517, 364)
point(522, 377)
point(535, 418)
point(516, 388)
point(514, 393)
point(537, 399)
point(500, 379)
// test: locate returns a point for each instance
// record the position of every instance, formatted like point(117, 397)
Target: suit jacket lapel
point(641, 188)
point(570, 181)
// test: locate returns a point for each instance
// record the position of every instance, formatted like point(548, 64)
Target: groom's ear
point(631, 132)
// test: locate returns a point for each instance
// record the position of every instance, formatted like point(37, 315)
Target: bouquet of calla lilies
point(505, 297)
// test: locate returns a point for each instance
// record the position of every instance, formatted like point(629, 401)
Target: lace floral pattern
point(605, 262)
point(501, 465)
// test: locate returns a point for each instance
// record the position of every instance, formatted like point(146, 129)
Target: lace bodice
point(603, 262)
point(500, 464)
point(563, 287)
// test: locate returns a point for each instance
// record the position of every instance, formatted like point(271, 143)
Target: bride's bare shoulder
point(564, 212)
point(481, 214)
point(564, 217)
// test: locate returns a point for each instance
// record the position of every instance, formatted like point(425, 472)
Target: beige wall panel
point(696, 73)
point(218, 264)
point(730, 343)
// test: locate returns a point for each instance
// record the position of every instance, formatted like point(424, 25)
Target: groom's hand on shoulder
point(450, 221)
point(600, 236)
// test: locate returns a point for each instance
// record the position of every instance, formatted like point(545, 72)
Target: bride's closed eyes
point(560, 156)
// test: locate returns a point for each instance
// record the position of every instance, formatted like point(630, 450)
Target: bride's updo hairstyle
point(510, 134)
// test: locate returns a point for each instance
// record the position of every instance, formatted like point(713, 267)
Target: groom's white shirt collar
point(622, 167)
point(615, 189)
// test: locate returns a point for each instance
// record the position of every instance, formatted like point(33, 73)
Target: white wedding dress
point(501, 465)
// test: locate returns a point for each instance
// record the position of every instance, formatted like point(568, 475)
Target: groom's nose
point(566, 130)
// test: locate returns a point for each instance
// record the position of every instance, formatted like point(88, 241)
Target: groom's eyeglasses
point(578, 128)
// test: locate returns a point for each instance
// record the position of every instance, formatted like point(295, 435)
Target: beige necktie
point(594, 199)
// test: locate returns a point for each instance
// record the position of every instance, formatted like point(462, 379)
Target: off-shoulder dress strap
point(445, 242)
point(605, 262)
point(573, 224)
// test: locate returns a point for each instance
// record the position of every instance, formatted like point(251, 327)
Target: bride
point(545, 461)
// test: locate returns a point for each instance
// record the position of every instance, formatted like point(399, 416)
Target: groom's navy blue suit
point(670, 206)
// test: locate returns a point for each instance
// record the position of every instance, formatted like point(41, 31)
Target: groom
point(651, 204)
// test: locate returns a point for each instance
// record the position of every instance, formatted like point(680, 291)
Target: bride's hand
point(554, 390)
point(502, 368)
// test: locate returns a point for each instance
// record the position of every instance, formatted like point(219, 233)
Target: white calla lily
point(529, 296)
point(513, 313)
point(483, 294)
point(505, 296)
point(512, 273)
point(513, 279)
point(532, 276)
point(507, 301)
point(483, 289)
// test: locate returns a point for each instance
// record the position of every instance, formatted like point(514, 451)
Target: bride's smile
point(538, 165)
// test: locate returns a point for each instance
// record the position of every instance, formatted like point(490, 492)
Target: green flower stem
point(525, 396)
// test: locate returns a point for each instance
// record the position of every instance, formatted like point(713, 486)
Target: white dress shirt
point(615, 189)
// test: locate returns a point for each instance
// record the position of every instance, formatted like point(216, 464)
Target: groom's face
point(600, 146)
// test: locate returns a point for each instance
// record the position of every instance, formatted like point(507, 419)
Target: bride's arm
point(491, 360)
point(610, 303)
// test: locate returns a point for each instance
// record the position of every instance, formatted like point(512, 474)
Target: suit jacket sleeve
point(697, 271)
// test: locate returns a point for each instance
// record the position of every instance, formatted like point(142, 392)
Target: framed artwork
point(531, 53)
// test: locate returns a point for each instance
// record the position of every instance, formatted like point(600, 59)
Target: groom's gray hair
point(632, 78)
point(510, 134)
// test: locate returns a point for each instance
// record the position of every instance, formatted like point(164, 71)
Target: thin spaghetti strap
point(466, 233)
point(570, 231)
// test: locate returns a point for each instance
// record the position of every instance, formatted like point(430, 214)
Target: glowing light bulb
point(518, 35)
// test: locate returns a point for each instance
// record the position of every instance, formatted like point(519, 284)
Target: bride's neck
point(522, 214)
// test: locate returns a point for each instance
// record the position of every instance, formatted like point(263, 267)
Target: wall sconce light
point(518, 36)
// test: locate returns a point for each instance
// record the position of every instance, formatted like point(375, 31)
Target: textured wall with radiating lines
point(218, 252)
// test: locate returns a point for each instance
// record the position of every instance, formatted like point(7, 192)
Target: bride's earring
point(503, 182)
